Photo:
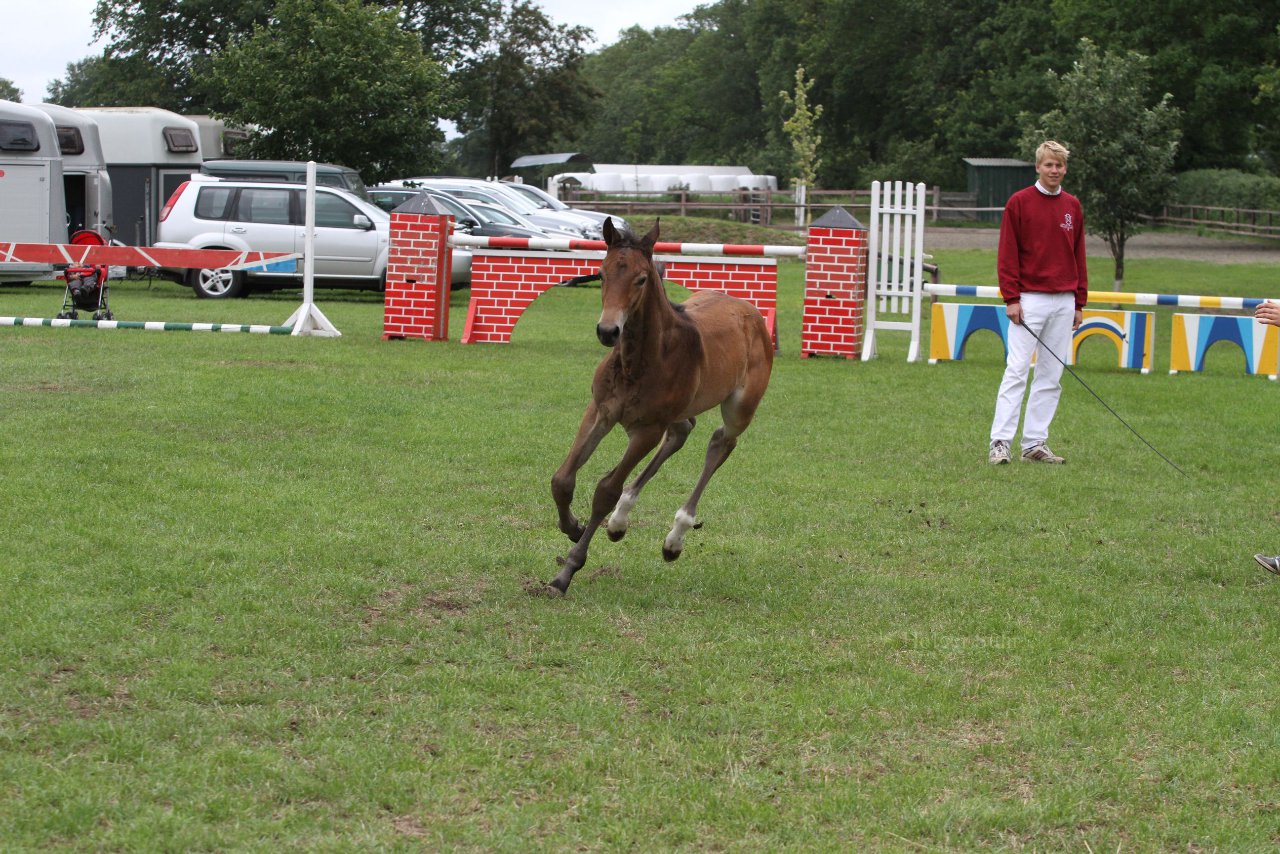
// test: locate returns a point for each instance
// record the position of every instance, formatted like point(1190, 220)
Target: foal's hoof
point(670, 554)
point(614, 536)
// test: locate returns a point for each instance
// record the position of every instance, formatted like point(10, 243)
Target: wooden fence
point(780, 210)
point(1237, 221)
point(774, 209)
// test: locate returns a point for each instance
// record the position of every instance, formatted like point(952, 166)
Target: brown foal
point(668, 363)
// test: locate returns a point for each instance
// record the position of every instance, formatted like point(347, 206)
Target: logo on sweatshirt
point(1067, 224)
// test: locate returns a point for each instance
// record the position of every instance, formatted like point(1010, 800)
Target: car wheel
point(217, 284)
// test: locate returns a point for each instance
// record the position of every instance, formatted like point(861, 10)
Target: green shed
point(995, 179)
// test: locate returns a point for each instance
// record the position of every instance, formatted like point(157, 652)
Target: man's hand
point(1268, 312)
point(1077, 320)
point(1013, 311)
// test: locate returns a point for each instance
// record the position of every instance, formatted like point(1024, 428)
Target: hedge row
point(1227, 188)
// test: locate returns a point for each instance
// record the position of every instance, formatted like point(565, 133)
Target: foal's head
point(626, 275)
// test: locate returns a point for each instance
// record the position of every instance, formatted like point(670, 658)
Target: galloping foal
point(669, 363)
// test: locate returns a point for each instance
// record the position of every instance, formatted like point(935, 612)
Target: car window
point(496, 214)
point(268, 206)
point(333, 212)
point(389, 200)
point(213, 202)
point(455, 209)
point(329, 179)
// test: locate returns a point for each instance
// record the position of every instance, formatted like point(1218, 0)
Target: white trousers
point(1051, 316)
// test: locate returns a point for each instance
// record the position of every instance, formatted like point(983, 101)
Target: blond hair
point(1051, 148)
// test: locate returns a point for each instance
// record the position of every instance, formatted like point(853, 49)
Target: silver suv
point(351, 240)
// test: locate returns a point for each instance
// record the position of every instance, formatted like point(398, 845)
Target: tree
point(101, 81)
point(179, 39)
point(334, 80)
point(1122, 147)
point(1205, 52)
point(528, 86)
point(8, 91)
point(800, 127)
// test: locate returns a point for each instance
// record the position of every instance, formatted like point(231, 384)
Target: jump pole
point(1125, 297)
point(308, 319)
point(149, 325)
point(659, 248)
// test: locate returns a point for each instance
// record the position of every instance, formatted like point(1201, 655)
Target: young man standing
point(1044, 284)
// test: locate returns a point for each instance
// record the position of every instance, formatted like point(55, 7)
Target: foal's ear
point(610, 233)
point(651, 238)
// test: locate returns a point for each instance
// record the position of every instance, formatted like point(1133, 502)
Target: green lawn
point(272, 594)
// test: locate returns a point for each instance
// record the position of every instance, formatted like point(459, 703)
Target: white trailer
point(32, 206)
point(86, 183)
point(149, 152)
point(218, 141)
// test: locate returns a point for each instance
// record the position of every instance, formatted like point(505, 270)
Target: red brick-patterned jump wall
point(419, 270)
point(504, 284)
point(835, 292)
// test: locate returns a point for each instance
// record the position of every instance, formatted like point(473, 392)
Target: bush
point(1227, 188)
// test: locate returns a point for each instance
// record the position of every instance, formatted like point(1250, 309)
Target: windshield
point(541, 199)
point(492, 213)
point(494, 195)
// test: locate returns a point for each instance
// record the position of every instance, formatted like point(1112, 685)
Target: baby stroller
point(86, 286)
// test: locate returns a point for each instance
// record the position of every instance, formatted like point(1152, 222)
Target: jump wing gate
point(896, 262)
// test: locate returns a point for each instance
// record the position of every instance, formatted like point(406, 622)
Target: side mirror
point(362, 221)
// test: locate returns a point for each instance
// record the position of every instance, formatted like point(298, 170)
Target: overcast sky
point(38, 39)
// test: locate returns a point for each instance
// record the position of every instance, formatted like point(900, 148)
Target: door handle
point(238, 229)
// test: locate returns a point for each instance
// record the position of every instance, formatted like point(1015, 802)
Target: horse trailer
point(149, 152)
point(32, 206)
point(84, 171)
point(216, 139)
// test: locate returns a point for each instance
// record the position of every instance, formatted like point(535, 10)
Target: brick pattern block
point(419, 270)
point(835, 293)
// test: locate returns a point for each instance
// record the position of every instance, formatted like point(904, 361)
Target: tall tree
point(181, 38)
point(1122, 145)
point(8, 91)
point(1205, 52)
point(629, 124)
point(529, 87)
point(101, 81)
point(334, 80)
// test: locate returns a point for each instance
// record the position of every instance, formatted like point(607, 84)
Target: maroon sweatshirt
point(1042, 246)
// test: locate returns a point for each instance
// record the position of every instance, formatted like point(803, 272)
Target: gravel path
point(1185, 246)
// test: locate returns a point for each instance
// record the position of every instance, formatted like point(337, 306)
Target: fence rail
point(1238, 221)
point(780, 210)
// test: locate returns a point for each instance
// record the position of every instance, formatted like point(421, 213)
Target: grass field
point(273, 594)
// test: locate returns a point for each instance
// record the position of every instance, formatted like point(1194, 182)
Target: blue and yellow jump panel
point(1194, 334)
point(952, 324)
point(1132, 332)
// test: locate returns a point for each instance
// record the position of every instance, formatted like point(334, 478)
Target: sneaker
point(1270, 564)
point(999, 454)
point(1041, 454)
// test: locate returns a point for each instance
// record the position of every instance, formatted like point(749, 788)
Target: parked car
point(468, 217)
point(494, 193)
point(545, 200)
point(286, 172)
point(494, 217)
point(352, 236)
